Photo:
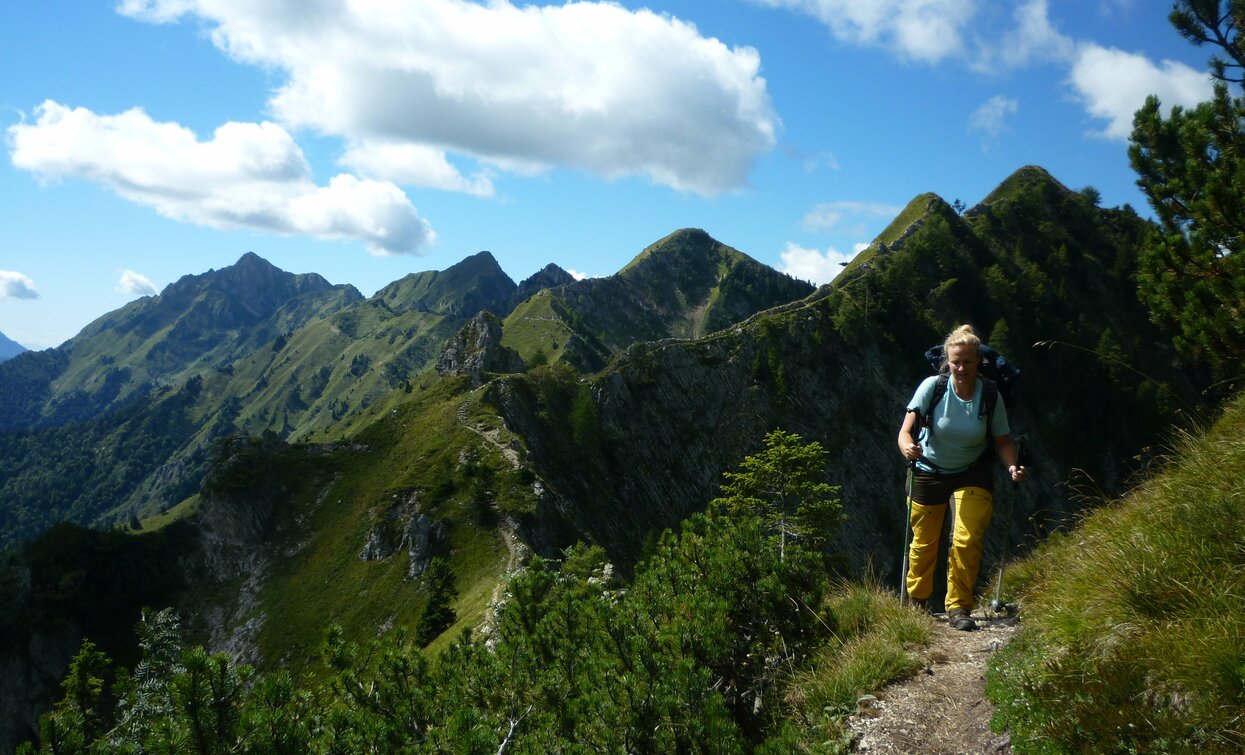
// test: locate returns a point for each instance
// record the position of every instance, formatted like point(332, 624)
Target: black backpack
point(998, 376)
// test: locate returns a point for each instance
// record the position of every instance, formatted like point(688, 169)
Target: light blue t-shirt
point(959, 436)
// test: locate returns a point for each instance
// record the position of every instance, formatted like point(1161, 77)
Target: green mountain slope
point(196, 323)
point(684, 286)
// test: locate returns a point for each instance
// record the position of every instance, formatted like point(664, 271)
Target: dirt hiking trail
point(942, 710)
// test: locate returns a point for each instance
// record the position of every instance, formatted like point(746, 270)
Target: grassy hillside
point(431, 457)
point(1134, 621)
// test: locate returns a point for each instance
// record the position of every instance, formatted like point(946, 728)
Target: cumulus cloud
point(830, 215)
point(1032, 38)
point(991, 117)
point(135, 284)
point(923, 30)
point(1116, 7)
point(814, 265)
point(413, 164)
point(248, 175)
point(931, 31)
point(578, 275)
point(14, 285)
point(1113, 85)
point(588, 85)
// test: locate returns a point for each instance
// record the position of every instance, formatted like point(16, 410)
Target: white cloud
point(14, 285)
point(135, 284)
point(1113, 85)
point(931, 31)
point(821, 159)
point(1032, 38)
point(828, 215)
point(578, 275)
point(251, 176)
point(588, 85)
point(1116, 7)
point(813, 265)
point(991, 117)
point(923, 30)
point(413, 164)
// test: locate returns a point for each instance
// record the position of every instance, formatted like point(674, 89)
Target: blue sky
point(367, 139)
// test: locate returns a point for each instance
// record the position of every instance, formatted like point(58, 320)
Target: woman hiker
point(953, 460)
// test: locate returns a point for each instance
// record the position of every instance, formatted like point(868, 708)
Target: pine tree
point(438, 613)
point(1191, 166)
point(785, 485)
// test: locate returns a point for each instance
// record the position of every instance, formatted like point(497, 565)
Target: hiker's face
point(963, 359)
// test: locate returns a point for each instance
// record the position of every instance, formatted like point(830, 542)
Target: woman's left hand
point(1017, 473)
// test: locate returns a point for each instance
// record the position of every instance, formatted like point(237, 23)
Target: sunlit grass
point(873, 644)
point(182, 510)
point(1135, 621)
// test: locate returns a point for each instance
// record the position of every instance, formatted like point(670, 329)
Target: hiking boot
point(920, 604)
point(959, 619)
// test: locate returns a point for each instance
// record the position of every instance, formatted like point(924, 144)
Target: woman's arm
point(908, 446)
point(1007, 453)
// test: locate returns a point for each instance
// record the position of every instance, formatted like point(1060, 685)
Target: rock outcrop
point(477, 350)
point(403, 527)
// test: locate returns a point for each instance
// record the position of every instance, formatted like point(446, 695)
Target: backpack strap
point(927, 420)
point(989, 399)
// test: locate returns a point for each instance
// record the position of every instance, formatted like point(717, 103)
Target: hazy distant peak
point(9, 348)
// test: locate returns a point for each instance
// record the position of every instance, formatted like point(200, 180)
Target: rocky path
point(943, 709)
point(516, 550)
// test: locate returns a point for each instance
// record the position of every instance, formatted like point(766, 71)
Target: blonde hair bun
point(962, 336)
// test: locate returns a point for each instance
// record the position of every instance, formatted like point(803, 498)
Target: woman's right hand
point(912, 451)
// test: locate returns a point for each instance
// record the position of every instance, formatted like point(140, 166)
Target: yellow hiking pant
point(973, 508)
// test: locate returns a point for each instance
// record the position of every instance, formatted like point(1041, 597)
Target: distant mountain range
point(250, 348)
point(9, 348)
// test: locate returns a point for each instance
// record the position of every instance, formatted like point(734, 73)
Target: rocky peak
point(476, 350)
point(685, 248)
point(253, 281)
point(473, 284)
point(1028, 179)
point(549, 276)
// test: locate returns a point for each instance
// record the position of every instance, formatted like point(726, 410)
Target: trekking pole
point(907, 525)
point(997, 605)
